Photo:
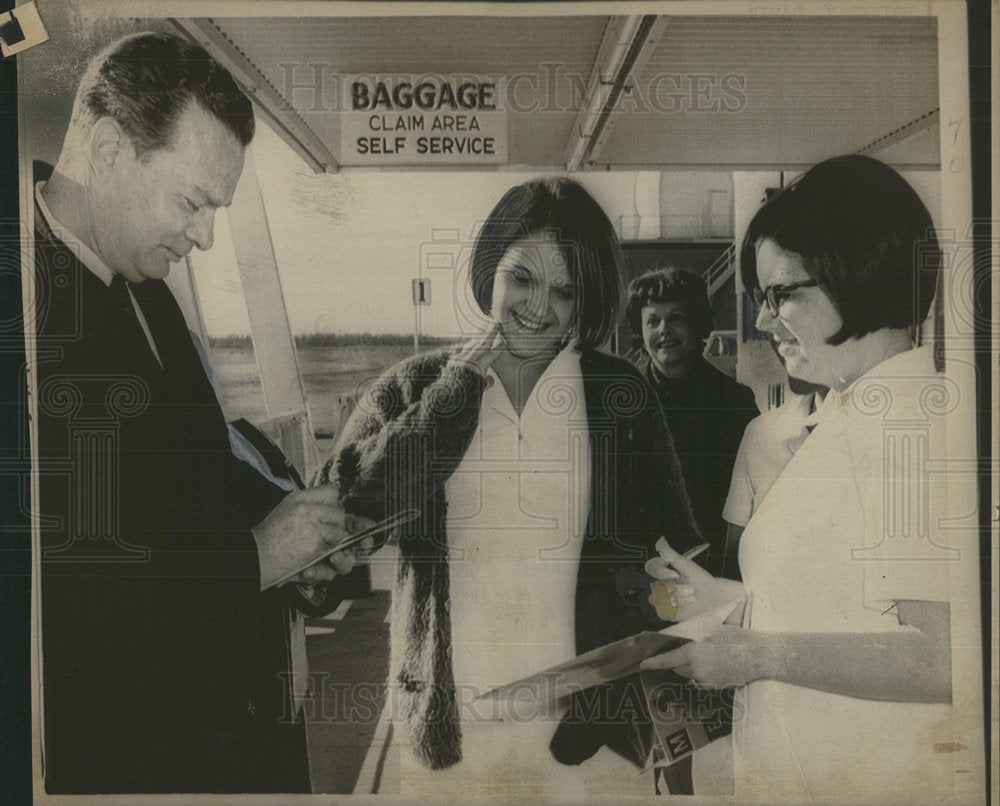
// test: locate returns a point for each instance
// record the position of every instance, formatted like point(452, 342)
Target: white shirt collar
point(87, 256)
point(568, 358)
point(917, 362)
point(565, 365)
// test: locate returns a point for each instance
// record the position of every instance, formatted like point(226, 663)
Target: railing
point(721, 270)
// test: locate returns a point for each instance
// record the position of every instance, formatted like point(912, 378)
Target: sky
point(349, 244)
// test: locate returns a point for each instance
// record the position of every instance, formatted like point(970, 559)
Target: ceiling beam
point(277, 109)
point(626, 47)
point(922, 123)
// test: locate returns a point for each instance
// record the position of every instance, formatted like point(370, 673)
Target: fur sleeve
point(407, 435)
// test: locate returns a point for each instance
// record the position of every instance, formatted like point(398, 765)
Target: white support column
point(274, 347)
point(626, 47)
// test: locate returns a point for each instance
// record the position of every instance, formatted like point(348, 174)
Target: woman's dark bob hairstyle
point(560, 208)
point(684, 286)
point(863, 234)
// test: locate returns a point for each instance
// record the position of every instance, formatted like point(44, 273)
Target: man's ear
point(108, 145)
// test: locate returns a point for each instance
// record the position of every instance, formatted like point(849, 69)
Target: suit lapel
point(183, 379)
point(180, 387)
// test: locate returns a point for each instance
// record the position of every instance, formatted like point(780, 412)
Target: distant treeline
point(241, 340)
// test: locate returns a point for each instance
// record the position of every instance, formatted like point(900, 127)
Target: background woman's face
point(806, 319)
point(668, 335)
point(533, 296)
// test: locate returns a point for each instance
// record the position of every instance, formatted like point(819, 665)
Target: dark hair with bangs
point(144, 81)
point(669, 285)
point(559, 207)
point(863, 234)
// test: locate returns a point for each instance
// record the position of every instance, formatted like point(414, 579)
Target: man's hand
point(304, 524)
point(336, 565)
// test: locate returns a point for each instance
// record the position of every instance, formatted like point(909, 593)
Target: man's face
point(151, 211)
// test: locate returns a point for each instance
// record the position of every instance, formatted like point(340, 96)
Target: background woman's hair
point(559, 208)
point(863, 234)
point(684, 286)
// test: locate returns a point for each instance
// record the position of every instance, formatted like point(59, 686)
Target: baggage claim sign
point(423, 120)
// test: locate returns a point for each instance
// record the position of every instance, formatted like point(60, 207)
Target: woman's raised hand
point(695, 590)
point(482, 350)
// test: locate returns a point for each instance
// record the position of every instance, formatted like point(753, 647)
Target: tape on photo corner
point(21, 28)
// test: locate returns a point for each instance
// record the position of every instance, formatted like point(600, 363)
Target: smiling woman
point(842, 655)
point(707, 412)
point(533, 297)
point(544, 476)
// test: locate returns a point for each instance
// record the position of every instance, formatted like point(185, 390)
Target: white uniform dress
point(517, 514)
point(769, 442)
point(842, 534)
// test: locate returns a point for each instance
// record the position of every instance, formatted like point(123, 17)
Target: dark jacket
point(410, 433)
point(707, 412)
point(161, 659)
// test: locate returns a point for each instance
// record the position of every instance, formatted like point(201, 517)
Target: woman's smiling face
point(533, 297)
point(806, 319)
point(669, 338)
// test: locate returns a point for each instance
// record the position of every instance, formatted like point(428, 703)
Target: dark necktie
point(123, 299)
point(119, 291)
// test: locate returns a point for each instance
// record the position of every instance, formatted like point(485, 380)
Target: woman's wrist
point(772, 657)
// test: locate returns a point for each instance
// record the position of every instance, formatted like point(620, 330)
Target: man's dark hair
point(684, 286)
point(863, 234)
point(560, 208)
point(144, 81)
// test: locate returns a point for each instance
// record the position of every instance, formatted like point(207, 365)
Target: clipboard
point(380, 531)
point(602, 665)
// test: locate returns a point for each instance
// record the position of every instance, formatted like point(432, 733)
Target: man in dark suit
point(165, 658)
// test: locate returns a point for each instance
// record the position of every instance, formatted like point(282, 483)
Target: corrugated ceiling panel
point(778, 90)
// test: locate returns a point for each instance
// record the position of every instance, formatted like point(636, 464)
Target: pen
point(690, 554)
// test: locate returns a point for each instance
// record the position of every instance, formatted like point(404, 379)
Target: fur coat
point(408, 435)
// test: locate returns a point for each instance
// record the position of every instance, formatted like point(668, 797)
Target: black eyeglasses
point(774, 295)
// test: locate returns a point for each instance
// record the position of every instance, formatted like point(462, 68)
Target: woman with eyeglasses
point(842, 647)
point(543, 476)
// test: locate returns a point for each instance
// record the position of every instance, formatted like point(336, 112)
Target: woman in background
point(544, 478)
point(706, 411)
point(843, 653)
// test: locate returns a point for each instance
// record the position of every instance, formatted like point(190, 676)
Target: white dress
point(843, 533)
point(769, 442)
point(517, 514)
